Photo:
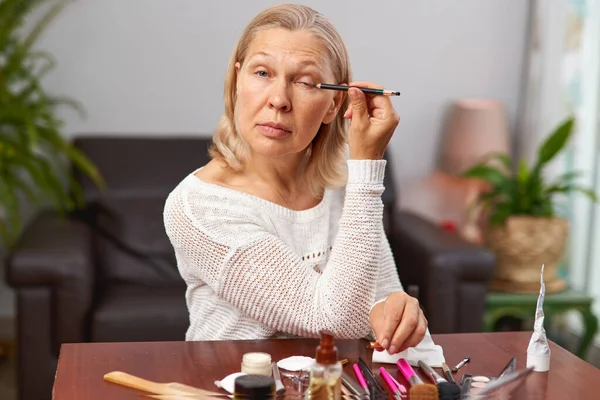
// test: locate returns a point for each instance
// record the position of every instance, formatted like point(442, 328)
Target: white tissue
point(426, 350)
point(228, 383)
point(538, 351)
point(296, 363)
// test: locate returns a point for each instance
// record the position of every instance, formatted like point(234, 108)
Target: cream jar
point(257, 364)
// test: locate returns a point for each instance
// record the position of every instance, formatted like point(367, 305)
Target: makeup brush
point(461, 364)
point(446, 390)
point(375, 388)
point(279, 387)
point(353, 387)
point(419, 390)
point(447, 373)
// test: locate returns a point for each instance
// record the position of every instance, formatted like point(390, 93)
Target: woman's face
point(278, 111)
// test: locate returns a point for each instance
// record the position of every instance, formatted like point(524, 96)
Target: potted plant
point(524, 230)
point(35, 159)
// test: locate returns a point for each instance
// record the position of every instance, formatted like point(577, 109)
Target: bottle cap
point(327, 353)
point(539, 363)
point(254, 387)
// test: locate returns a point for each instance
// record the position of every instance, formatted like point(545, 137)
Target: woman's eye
point(307, 84)
point(262, 74)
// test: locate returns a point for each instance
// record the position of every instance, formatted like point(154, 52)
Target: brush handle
point(409, 373)
point(401, 387)
point(434, 376)
point(134, 382)
point(352, 385)
point(279, 388)
point(189, 396)
point(447, 373)
point(361, 379)
point(388, 379)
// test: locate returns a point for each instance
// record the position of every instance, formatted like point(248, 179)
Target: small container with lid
point(257, 364)
point(254, 387)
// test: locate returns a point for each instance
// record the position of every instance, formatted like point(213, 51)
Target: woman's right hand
point(372, 122)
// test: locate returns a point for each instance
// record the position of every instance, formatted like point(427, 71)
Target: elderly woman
point(281, 233)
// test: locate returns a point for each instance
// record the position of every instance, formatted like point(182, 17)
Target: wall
point(157, 66)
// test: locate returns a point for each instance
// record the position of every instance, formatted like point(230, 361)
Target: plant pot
point(521, 246)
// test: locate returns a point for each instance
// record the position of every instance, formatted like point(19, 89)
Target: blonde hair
point(325, 165)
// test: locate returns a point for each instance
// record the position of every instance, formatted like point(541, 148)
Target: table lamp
point(476, 128)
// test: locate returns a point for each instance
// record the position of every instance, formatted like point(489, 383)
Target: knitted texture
point(255, 269)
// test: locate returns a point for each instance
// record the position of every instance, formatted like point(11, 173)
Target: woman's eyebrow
point(261, 54)
point(309, 63)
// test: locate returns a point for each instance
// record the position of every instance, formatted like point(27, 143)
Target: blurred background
point(477, 78)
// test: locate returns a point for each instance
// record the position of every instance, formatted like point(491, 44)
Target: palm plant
point(35, 159)
point(527, 192)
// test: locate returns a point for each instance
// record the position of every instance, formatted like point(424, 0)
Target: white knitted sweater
point(255, 269)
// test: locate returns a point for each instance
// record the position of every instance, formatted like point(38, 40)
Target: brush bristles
point(424, 391)
point(448, 391)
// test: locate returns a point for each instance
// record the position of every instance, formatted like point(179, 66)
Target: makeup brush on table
point(419, 390)
point(447, 373)
point(446, 390)
point(391, 382)
point(168, 390)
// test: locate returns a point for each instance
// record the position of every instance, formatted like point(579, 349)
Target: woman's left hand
point(398, 322)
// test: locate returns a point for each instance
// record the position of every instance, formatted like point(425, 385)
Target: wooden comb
point(171, 388)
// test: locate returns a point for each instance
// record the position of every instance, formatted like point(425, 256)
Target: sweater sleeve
point(388, 281)
point(251, 268)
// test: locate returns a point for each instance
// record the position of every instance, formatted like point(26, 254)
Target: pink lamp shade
point(476, 128)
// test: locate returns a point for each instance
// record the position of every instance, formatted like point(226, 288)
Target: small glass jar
point(257, 364)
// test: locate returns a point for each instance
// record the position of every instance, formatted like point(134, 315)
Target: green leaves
point(565, 189)
point(526, 192)
point(35, 158)
point(487, 173)
point(555, 142)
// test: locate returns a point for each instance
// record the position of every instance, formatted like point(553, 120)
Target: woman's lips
point(272, 132)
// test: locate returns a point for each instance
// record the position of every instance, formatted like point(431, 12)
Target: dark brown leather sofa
point(108, 273)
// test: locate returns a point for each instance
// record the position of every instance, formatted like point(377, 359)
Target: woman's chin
point(274, 149)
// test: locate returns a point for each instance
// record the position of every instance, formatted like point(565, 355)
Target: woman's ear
point(237, 73)
point(336, 103)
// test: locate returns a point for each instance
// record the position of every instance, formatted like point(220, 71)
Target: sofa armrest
point(451, 273)
point(56, 253)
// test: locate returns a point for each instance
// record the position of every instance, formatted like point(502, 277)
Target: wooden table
point(81, 367)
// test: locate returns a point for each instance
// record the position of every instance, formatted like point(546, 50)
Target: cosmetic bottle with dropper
point(326, 373)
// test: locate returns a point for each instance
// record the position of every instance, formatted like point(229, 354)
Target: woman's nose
point(279, 97)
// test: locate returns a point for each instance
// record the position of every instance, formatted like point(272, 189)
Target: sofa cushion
point(132, 244)
point(135, 166)
point(134, 313)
